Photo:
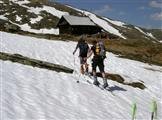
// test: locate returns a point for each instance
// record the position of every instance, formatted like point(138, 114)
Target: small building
point(77, 25)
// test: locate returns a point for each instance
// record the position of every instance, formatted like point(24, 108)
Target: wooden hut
point(77, 25)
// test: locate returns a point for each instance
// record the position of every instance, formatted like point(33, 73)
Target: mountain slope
point(33, 93)
point(42, 17)
point(39, 19)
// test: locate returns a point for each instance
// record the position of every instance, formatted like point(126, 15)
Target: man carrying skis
point(98, 60)
point(83, 50)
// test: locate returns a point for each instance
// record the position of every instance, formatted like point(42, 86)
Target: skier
point(98, 60)
point(83, 50)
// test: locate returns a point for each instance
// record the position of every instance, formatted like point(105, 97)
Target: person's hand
point(85, 58)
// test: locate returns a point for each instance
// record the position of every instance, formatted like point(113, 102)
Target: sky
point(143, 13)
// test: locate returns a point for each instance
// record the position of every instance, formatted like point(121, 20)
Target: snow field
point(33, 93)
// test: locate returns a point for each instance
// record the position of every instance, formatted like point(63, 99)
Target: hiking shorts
point(99, 63)
point(82, 60)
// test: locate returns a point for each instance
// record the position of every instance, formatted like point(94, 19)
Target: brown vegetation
point(33, 62)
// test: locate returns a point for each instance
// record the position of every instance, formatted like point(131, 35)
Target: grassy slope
point(157, 33)
point(137, 49)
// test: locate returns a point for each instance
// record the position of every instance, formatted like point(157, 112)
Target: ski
point(101, 88)
point(90, 82)
point(106, 89)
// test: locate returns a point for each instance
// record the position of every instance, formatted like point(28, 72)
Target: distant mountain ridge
point(41, 17)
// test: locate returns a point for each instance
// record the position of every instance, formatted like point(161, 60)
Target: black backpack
point(83, 49)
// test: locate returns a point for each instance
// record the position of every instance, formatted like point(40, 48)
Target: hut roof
point(75, 20)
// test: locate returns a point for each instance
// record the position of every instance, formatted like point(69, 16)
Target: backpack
point(100, 50)
point(83, 49)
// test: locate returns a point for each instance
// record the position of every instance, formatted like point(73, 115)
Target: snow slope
point(3, 18)
point(151, 35)
point(26, 27)
point(35, 20)
point(118, 23)
point(147, 34)
point(37, 11)
point(18, 18)
point(33, 93)
point(36, 15)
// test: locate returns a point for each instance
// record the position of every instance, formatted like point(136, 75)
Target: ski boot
point(105, 83)
point(95, 82)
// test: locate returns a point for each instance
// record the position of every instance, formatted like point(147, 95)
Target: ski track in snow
point(34, 93)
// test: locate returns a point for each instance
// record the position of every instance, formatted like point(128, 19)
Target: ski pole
point(134, 109)
point(153, 110)
point(76, 70)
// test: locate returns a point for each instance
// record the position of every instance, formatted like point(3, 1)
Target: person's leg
point(105, 84)
point(81, 69)
point(101, 68)
point(103, 74)
point(86, 66)
point(94, 65)
point(81, 65)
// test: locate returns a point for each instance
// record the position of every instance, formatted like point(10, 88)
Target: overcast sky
point(144, 13)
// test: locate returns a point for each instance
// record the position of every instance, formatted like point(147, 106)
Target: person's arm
point(89, 53)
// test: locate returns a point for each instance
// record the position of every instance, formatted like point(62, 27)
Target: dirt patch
point(155, 70)
point(120, 79)
point(34, 63)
